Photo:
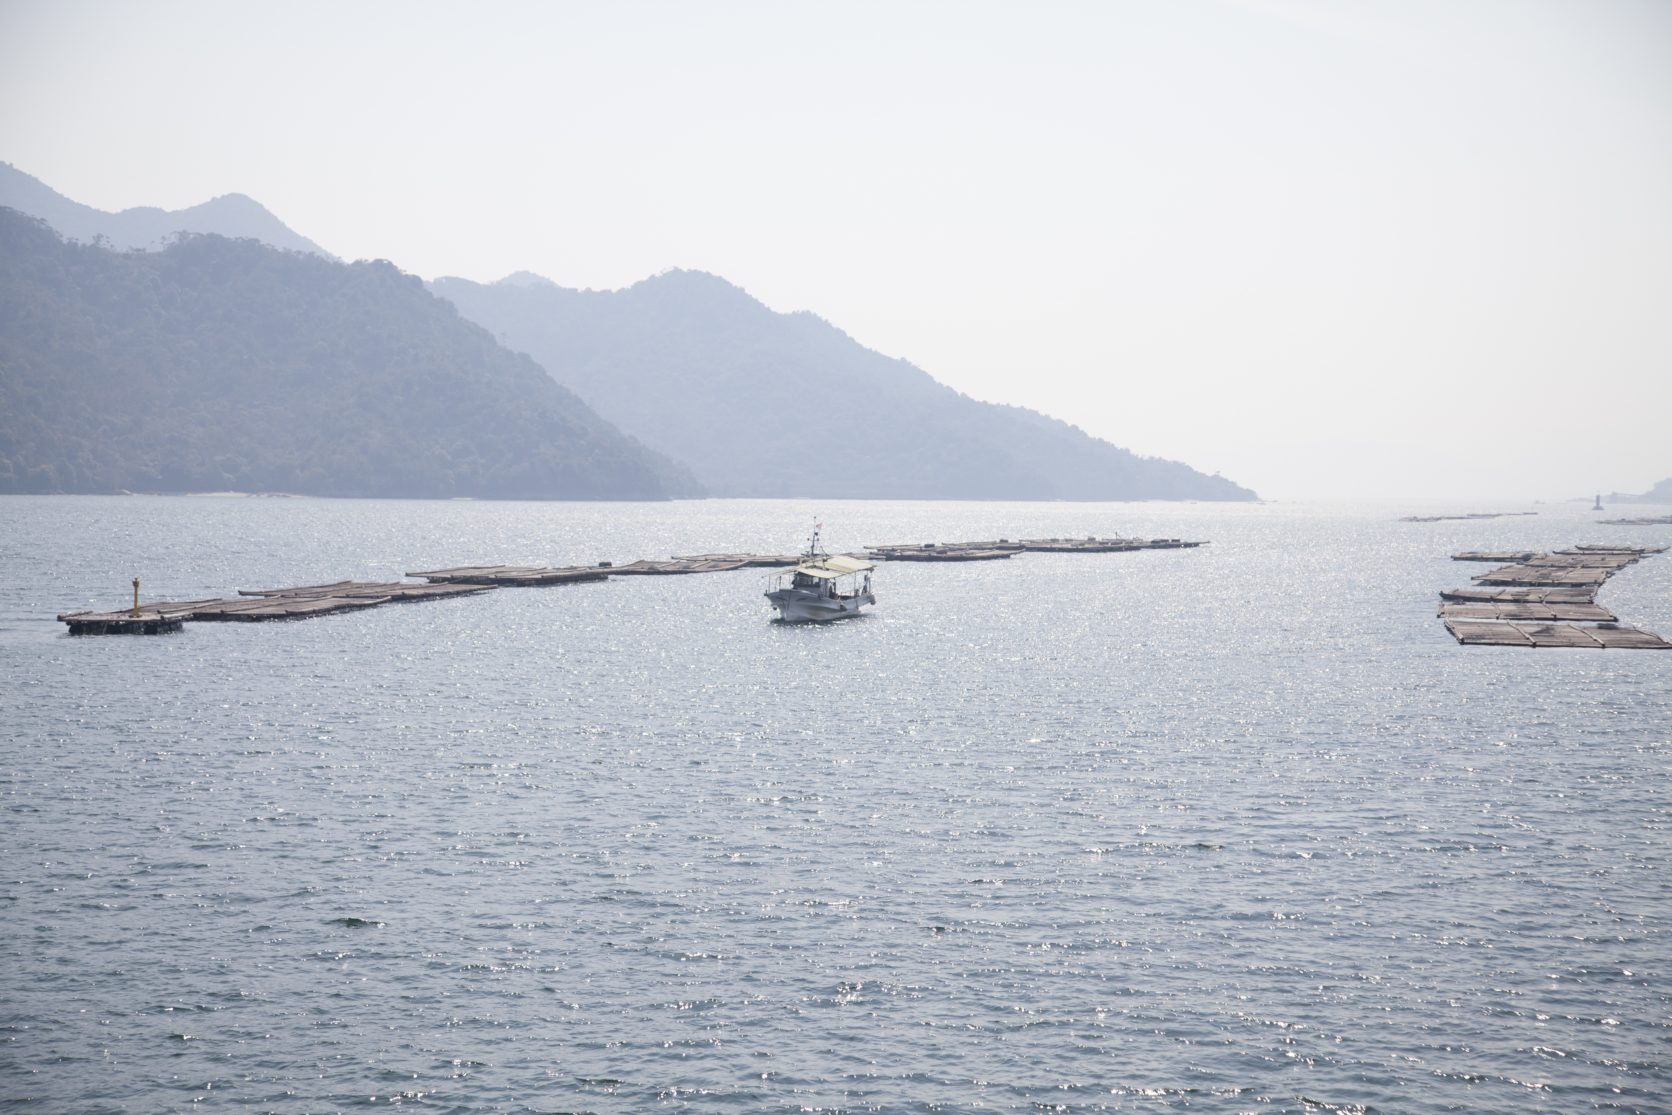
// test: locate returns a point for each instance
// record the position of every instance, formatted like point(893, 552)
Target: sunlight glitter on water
point(1238, 826)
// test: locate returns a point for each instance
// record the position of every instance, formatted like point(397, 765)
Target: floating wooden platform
point(1530, 576)
point(1653, 521)
point(1585, 567)
point(251, 606)
point(1477, 633)
point(1522, 595)
point(1494, 555)
point(1512, 610)
point(932, 552)
point(1466, 516)
point(395, 591)
point(1611, 548)
point(1004, 548)
point(678, 567)
point(1104, 545)
point(764, 561)
point(493, 576)
point(1546, 600)
point(511, 575)
point(121, 623)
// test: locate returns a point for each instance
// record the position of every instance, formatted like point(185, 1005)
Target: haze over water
point(1237, 828)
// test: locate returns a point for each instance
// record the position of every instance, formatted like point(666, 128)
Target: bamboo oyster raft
point(1545, 600)
point(251, 605)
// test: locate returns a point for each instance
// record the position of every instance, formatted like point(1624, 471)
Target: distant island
point(1660, 493)
point(763, 404)
point(221, 364)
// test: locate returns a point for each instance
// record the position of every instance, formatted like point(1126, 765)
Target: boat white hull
point(799, 606)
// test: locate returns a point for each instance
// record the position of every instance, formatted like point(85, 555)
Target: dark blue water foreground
point(1229, 829)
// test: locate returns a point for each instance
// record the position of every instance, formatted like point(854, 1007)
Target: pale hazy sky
point(1403, 248)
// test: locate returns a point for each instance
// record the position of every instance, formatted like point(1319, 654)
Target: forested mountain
point(759, 403)
point(232, 215)
point(756, 403)
point(224, 364)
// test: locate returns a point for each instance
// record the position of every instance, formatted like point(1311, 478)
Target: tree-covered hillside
point(224, 364)
point(759, 403)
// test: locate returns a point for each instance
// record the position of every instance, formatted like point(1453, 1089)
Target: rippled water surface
point(1229, 829)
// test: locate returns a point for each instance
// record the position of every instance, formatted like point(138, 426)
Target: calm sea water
point(1231, 829)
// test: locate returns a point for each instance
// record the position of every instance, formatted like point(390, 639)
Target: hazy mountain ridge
point(224, 364)
point(1660, 493)
point(695, 368)
point(765, 404)
point(146, 227)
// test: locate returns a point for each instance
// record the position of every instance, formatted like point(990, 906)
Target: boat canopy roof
point(829, 568)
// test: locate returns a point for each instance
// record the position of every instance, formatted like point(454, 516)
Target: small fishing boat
point(822, 587)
